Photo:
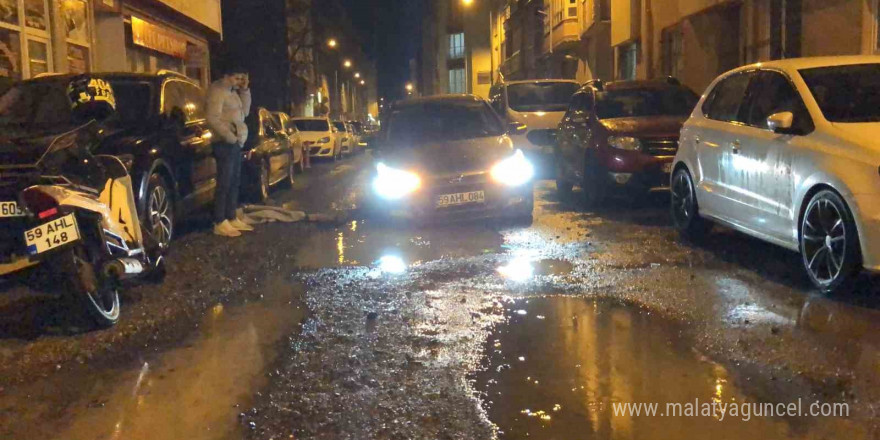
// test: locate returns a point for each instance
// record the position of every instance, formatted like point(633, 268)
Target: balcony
point(598, 12)
point(512, 65)
point(564, 35)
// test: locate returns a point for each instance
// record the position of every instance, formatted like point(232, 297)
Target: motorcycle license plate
point(461, 198)
point(10, 209)
point(52, 235)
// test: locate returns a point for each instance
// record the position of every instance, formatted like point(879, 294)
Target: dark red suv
point(621, 135)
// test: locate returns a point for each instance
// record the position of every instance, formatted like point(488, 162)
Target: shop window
point(35, 16)
point(74, 15)
point(38, 57)
point(9, 11)
point(10, 54)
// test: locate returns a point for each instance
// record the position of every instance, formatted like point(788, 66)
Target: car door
point(715, 135)
point(275, 149)
point(293, 137)
point(194, 164)
point(580, 133)
point(763, 161)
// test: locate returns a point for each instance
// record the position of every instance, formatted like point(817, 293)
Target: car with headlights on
point(319, 136)
point(450, 157)
point(621, 137)
point(787, 151)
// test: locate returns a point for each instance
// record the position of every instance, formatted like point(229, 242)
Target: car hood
point(451, 157)
point(538, 120)
point(312, 136)
point(659, 126)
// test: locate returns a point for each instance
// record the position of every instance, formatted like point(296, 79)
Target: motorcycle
point(75, 213)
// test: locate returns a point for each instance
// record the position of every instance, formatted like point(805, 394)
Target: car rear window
point(631, 103)
point(312, 125)
point(846, 93)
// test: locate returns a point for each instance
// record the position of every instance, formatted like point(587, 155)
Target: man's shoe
point(240, 225)
point(225, 229)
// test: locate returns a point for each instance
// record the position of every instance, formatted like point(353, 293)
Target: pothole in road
point(558, 366)
point(195, 391)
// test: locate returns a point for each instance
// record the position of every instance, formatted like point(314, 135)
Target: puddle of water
point(559, 363)
point(193, 392)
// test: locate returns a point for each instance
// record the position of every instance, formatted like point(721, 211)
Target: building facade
point(694, 40)
point(456, 52)
point(61, 36)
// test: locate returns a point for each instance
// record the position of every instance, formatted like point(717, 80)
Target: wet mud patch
point(557, 366)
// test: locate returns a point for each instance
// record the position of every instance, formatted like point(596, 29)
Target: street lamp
point(332, 43)
point(409, 87)
point(357, 75)
point(347, 63)
point(467, 2)
point(363, 82)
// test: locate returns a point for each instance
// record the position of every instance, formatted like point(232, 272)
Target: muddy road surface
point(585, 324)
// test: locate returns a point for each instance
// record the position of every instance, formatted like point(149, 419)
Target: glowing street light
point(467, 2)
point(357, 75)
point(409, 87)
point(332, 43)
point(347, 63)
point(363, 82)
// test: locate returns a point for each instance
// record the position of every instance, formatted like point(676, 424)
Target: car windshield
point(43, 106)
point(633, 103)
point(312, 125)
point(846, 93)
point(541, 97)
point(440, 121)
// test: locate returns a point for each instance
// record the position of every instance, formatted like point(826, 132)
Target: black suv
point(160, 134)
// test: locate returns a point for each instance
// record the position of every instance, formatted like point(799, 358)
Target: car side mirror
point(780, 122)
point(517, 128)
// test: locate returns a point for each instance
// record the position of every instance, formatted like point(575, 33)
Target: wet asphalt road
point(360, 329)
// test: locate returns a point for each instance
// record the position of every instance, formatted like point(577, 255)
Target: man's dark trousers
point(228, 181)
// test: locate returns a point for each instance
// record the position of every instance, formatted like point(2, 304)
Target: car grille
point(314, 150)
point(542, 138)
point(660, 147)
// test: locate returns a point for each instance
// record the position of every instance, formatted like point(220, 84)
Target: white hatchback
point(788, 151)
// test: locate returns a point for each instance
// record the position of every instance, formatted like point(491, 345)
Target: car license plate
point(461, 198)
point(10, 209)
point(667, 168)
point(52, 235)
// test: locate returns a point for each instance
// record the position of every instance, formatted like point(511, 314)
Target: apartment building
point(694, 40)
point(456, 55)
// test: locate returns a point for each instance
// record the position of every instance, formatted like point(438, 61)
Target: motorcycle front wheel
point(92, 291)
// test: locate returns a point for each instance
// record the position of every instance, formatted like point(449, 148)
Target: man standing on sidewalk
point(229, 103)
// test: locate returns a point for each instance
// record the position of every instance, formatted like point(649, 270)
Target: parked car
point(160, 135)
point(450, 157)
point(621, 135)
point(357, 130)
point(319, 136)
point(268, 156)
point(346, 139)
point(540, 106)
point(296, 143)
point(786, 151)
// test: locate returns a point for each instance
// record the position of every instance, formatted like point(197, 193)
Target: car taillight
point(40, 203)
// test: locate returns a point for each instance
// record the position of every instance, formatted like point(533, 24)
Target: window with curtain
point(457, 83)
point(456, 46)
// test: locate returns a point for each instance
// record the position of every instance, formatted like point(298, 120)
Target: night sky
point(390, 32)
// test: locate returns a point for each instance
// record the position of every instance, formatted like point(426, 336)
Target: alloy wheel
point(160, 214)
point(824, 241)
point(682, 199)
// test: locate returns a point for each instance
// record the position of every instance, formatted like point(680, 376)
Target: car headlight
point(513, 171)
point(323, 140)
point(625, 143)
point(393, 184)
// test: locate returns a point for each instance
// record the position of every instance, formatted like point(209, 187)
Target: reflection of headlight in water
point(518, 269)
point(516, 170)
point(394, 184)
point(392, 264)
